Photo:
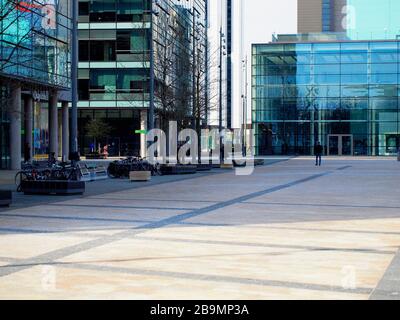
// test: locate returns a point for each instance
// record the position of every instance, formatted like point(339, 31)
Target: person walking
point(319, 149)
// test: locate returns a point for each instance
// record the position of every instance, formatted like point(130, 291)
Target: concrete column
point(65, 131)
point(143, 126)
point(53, 123)
point(28, 108)
point(15, 113)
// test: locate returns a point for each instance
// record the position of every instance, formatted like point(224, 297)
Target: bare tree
point(205, 93)
point(172, 72)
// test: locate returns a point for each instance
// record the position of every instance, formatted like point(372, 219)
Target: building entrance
point(340, 145)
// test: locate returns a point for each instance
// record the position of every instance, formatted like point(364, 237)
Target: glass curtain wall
point(34, 41)
point(341, 94)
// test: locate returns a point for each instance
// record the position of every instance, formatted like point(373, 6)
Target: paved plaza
point(289, 231)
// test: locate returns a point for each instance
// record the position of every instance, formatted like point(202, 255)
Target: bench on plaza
point(98, 173)
point(85, 173)
point(93, 173)
point(139, 176)
point(5, 198)
point(57, 187)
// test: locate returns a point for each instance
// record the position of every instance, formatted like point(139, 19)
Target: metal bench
point(85, 173)
point(99, 173)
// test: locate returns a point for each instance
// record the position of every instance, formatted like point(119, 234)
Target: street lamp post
point(221, 54)
point(151, 108)
point(244, 97)
point(74, 78)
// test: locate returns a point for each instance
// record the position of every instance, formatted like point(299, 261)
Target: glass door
point(347, 145)
point(333, 145)
point(340, 145)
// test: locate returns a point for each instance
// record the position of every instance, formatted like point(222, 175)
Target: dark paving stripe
point(153, 200)
point(344, 168)
point(65, 233)
point(268, 245)
point(72, 218)
point(331, 230)
point(389, 286)
point(200, 224)
point(345, 206)
point(217, 278)
point(67, 251)
point(119, 207)
point(70, 231)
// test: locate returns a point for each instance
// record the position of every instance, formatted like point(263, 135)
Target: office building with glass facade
point(344, 94)
point(35, 68)
point(118, 66)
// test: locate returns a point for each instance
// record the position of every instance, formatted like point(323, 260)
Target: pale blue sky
point(262, 18)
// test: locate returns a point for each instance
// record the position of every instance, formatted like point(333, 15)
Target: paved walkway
point(290, 231)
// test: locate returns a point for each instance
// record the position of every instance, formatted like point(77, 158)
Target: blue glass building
point(344, 94)
point(35, 74)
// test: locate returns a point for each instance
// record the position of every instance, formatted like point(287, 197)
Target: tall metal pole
point(194, 66)
point(245, 64)
point(151, 108)
point(220, 92)
point(74, 78)
point(243, 114)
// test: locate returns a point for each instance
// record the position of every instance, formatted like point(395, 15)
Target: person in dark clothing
point(319, 149)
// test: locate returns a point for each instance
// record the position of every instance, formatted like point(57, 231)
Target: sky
point(261, 19)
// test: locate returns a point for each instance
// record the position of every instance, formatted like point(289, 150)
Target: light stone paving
point(289, 231)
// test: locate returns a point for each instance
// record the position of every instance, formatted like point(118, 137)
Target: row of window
point(324, 47)
point(322, 69)
point(321, 79)
point(325, 91)
point(113, 11)
point(327, 58)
